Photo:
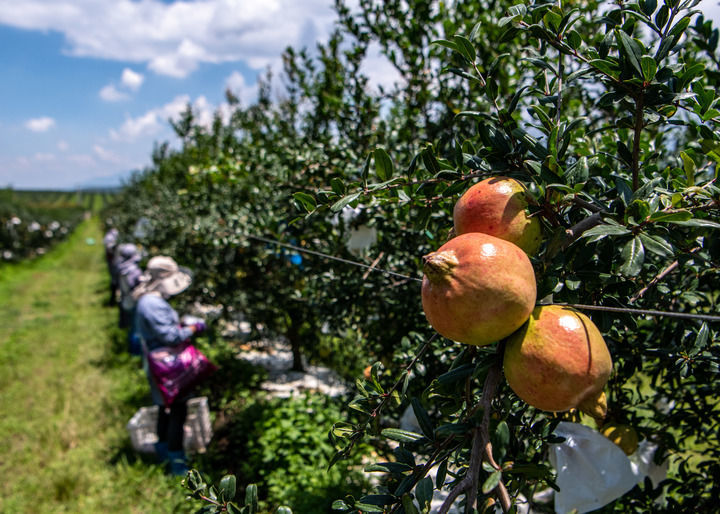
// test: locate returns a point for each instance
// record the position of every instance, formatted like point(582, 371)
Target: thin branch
point(658, 278)
point(574, 232)
point(481, 449)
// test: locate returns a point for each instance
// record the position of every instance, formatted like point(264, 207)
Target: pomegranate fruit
point(557, 360)
point(477, 288)
point(624, 436)
point(498, 206)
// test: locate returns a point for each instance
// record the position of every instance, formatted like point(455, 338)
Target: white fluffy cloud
point(175, 38)
point(155, 120)
point(42, 124)
point(131, 79)
point(110, 93)
point(237, 84)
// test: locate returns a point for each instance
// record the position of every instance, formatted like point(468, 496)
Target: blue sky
point(87, 86)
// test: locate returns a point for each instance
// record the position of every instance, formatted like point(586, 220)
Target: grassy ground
point(67, 389)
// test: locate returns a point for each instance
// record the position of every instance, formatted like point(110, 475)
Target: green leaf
point(338, 186)
point(251, 498)
point(689, 167)
point(661, 17)
point(401, 436)
point(648, 6)
point(649, 67)
point(423, 419)
point(465, 47)
point(340, 505)
point(344, 202)
point(447, 44)
point(306, 201)
point(698, 223)
point(424, 494)
point(606, 230)
point(606, 66)
point(408, 505)
point(633, 256)
point(441, 474)
point(502, 433)
point(632, 49)
point(491, 482)
point(670, 216)
point(389, 467)
point(383, 165)
point(657, 245)
point(227, 487)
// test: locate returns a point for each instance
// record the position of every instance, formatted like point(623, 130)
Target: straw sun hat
point(164, 276)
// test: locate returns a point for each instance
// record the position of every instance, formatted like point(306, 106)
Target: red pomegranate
point(558, 360)
point(477, 288)
point(498, 206)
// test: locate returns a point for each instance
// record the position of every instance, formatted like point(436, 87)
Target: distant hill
point(110, 183)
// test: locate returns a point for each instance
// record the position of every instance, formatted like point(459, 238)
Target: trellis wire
point(624, 310)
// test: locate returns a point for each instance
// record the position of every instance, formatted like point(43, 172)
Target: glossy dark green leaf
point(465, 47)
point(384, 166)
point(306, 201)
point(632, 49)
point(633, 257)
point(649, 67)
point(423, 418)
point(344, 202)
point(491, 482)
point(606, 230)
point(670, 216)
point(389, 467)
point(227, 487)
point(657, 245)
point(409, 505)
point(251, 498)
point(401, 436)
point(424, 494)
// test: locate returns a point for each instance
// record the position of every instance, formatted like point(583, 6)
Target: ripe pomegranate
point(624, 436)
point(498, 206)
point(557, 360)
point(477, 288)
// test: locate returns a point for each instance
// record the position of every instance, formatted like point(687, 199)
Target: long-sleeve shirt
point(158, 323)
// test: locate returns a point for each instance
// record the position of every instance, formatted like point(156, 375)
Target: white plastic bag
point(592, 471)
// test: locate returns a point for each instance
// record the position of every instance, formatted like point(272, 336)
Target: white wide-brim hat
point(165, 276)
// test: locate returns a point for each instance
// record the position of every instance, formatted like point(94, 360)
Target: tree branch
point(481, 450)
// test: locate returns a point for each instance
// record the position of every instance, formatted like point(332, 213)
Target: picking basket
point(197, 430)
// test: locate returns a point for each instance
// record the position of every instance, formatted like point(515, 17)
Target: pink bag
point(177, 369)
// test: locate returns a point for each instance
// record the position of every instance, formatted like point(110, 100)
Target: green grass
point(67, 390)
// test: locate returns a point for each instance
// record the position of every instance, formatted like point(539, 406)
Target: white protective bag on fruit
point(592, 471)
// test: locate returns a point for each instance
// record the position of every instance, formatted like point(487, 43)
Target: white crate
point(198, 431)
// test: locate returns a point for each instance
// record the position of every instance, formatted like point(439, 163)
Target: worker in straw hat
point(158, 325)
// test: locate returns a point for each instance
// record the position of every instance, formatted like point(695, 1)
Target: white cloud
point(42, 124)
point(174, 39)
point(131, 79)
point(151, 122)
point(104, 154)
point(237, 84)
point(110, 93)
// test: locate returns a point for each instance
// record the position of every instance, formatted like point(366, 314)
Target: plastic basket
point(197, 430)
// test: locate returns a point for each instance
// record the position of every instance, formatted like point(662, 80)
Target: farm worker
point(129, 273)
point(158, 325)
point(110, 241)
